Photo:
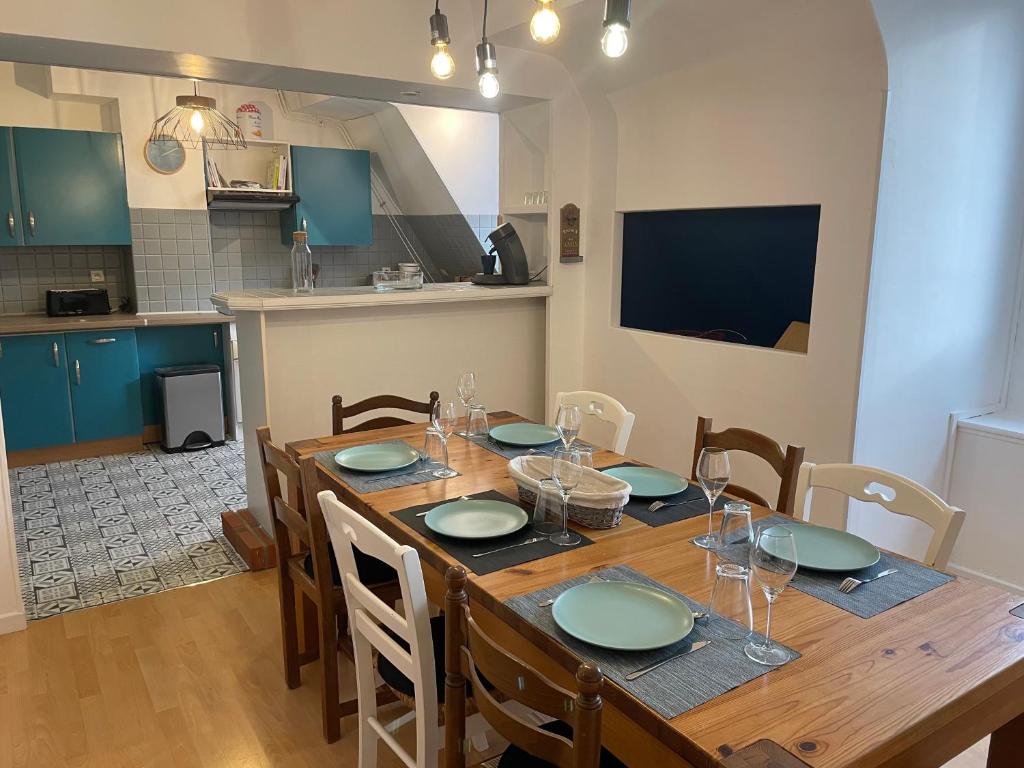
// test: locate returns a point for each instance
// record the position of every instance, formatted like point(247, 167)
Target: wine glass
point(773, 563)
point(713, 476)
point(467, 391)
point(566, 472)
point(567, 422)
point(443, 419)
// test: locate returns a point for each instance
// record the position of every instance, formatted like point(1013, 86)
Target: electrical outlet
point(96, 276)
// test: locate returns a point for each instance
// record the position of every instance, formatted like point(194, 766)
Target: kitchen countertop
point(44, 324)
point(329, 298)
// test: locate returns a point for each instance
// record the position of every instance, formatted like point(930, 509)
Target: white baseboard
point(12, 622)
point(985, 578)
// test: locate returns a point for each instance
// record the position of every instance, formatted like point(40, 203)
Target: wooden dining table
point(909, 688)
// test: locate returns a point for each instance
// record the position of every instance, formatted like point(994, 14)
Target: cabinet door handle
point(78, 373)
point(32, 223)
point(303, 223)
point(216, 340)
point(56, 356)
point(107, 340)
point(10, 223)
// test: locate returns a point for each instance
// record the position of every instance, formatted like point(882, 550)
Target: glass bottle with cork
point(302, 263)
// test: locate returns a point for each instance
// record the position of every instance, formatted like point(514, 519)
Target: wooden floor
point(189, 677)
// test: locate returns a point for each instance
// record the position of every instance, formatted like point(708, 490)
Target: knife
point(534, 540)
point(641, 672)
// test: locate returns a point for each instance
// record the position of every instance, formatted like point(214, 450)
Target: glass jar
point(302, 263)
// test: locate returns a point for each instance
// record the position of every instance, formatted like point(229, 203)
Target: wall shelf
point(525, 210)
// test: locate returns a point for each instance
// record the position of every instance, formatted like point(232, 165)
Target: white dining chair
point(601, 414)
point(895, 493)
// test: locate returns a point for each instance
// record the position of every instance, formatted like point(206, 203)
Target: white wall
point(948, 241)
point(463, 147)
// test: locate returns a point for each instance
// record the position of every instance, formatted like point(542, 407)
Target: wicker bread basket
point(596, 502)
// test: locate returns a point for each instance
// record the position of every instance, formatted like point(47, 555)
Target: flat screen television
point(740, 275)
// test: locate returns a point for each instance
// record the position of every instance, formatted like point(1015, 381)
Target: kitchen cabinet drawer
point(72, 187)
point(34, 391)
point(105, 393)
point(175, 345)
point(333, 186)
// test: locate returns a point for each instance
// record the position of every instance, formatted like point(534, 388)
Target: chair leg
point(289, 630)
point(331, 706)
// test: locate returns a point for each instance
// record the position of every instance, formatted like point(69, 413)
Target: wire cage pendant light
point(195, 121)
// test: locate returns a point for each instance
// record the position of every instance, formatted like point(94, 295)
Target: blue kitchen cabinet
point(11, 230)
point(34, 393)
point(175, 345)
point(333, 186)
point(105, 394)
point(72, 187)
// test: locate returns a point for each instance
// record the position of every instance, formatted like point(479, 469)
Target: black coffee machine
point(506, 244)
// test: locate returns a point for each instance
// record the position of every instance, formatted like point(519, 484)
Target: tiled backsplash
point(26, 274)
point(179, 257)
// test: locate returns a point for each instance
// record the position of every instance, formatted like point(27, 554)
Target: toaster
point(77, 301)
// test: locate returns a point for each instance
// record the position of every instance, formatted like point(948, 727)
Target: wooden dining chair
point(606, 422)
point(305, 566)
point(405, 648)
point(786, 463)
point(896, 493)
point(571, 740)
point(340, 412)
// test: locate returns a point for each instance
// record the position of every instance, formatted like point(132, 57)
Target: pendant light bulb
point(196, 121)
point(489, 87)
point(615, 39)
point(487, 69)
point(544, 26)
point(442, 65)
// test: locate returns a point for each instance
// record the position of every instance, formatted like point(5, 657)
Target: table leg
point(1006, 749)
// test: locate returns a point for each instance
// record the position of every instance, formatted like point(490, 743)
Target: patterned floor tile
point(96, 531)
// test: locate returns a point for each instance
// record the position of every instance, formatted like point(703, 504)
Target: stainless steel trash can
point(193, 407)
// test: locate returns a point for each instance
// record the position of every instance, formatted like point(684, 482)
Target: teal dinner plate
point(475, 519)
point(524, 435)
point(648, 482)
point(379, 457)
point(826, 549)
point(622, 616)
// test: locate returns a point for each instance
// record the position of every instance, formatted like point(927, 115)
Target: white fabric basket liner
point(596, 489)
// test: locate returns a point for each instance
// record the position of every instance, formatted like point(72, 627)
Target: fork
point(659, 504)
point(849, 583)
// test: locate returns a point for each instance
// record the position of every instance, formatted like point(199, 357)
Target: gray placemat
point(1018, 611)
point(684, 505)
point(512, 451)
point(368, 482)
point(672, 689)
point(913, 580)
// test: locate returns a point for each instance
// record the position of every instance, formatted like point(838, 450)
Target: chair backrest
point(369, 617)
point(340, 411)
point(785, 463)
point(896, 493)
point(286, 505)
point(471, 655)
point(597, 408)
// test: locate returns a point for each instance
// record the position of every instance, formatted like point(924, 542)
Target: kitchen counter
point(329, 298)
point(42, 324)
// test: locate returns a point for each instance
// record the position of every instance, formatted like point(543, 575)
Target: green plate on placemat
point(379, 457)
point(622, 615)
point(524, 435)
point(648, 482)
point(826, 549)
point(475, 519)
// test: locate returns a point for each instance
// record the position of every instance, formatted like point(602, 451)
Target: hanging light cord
point(484, 32)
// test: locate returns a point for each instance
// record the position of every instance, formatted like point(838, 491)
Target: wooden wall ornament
point(569, 234)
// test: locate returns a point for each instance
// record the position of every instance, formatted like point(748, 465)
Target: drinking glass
point(433, 446)
point(730, 599)
point(476, 425)
point(586, 456)
point(713, 476)
point(773, 563)
point(547, 508)
point(567, 422)
point(566, 472)
point(443, 419)
point(467, 391)
point(737, 533)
